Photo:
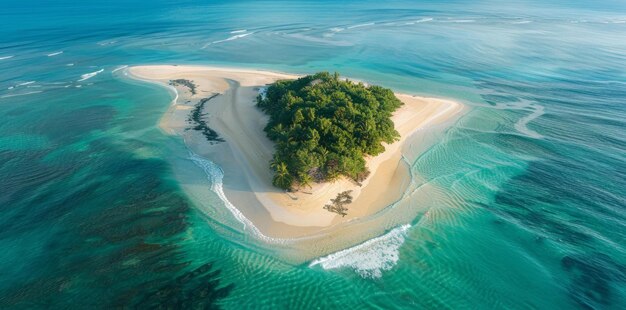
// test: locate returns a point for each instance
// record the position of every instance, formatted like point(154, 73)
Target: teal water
point(528, 209)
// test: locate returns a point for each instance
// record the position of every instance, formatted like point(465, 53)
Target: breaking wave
point(423, 20)
point(361, 25)
point(333, 31)
point(119, 68)
point(89, 75)
point(235, 37)
point(22, 94)
point(215, 175)
point(461, 21)
point(371, 258)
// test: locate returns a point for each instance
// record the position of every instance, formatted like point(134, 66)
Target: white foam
point(69, 65)
point(235, 37)
point(333, 31)
point(520, 22)
point(22, 94)
point(423, 20)
point(119, 68)
point(89, 75)
point(371, 258)
point(361, 25)
point(55, 53)
point(522, 123)
point(239, 31)
point(26, 83)
point(215, 175)
point(5, 57)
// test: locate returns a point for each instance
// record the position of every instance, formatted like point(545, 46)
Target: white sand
point(246, 154)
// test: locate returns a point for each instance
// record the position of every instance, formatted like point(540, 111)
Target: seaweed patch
point(200, 124)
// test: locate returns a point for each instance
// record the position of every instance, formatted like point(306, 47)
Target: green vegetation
point(324, 126)
point(187, 83)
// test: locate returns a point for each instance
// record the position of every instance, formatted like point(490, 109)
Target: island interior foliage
point(325, 126)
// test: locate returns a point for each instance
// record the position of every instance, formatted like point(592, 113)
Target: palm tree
point(305, 180)
point(282, 178)
point(323, 153)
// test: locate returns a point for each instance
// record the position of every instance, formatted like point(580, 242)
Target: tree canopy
point(324, 126)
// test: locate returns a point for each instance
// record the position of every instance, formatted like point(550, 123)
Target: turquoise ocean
point(530, 211)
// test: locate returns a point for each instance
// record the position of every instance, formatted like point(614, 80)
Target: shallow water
point(526, 191)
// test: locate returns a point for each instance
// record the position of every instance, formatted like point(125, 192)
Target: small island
point(297, 155)
point(324, 126)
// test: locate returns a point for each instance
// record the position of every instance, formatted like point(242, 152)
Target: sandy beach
point(245, 154)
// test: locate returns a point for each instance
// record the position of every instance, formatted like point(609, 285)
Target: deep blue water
point(534, 210)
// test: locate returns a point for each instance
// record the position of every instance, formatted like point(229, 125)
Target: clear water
point(529, 210)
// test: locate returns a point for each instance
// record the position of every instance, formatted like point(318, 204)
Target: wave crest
point(89, 75)
point(231, 38)
point(371, 258)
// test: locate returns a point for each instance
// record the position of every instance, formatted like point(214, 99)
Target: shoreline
point(233, 115)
